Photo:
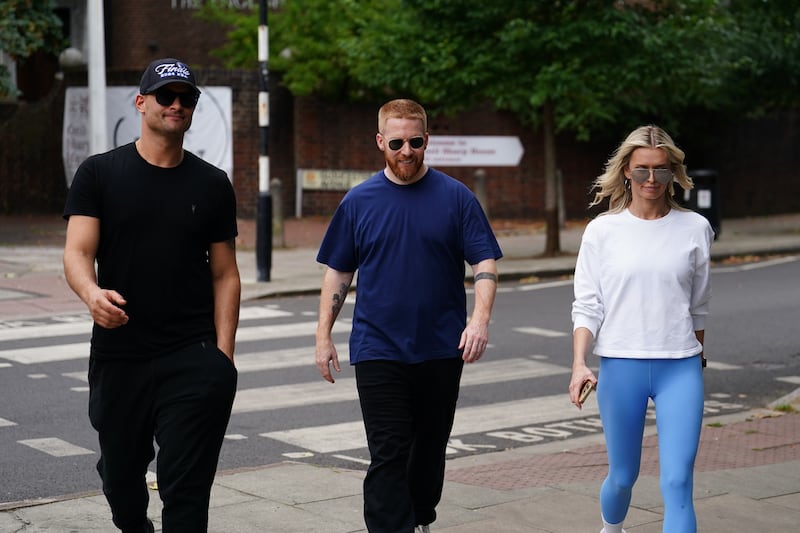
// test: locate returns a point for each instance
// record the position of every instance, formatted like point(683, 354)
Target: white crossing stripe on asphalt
point(6, 423)
point(716, 365)
point(79, 325)
point(55, 447)
point(283, 331)
point(84, 327)
point(541, 332)
point(47, 354)
point(65, 352)
point(260, 311)
point(299, 394)
point(275, 359)
point(345, 436)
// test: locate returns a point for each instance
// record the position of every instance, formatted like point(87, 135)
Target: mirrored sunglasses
point(661, 175)
point(414, 142)
point(165, 97)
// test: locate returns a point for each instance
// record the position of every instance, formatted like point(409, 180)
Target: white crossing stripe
point(260, 311)
point(541, 332)
point(6, 423)
point(545, 285)
point(80, 376)
point(294, 395)
point(83, 326)
point(284, 331)
point(47, 354)
point(80, 350)
point(299, 394)
point(716, 365)
point(56, 447)
point(468, 420)
point(275, 359)
point(46, 331)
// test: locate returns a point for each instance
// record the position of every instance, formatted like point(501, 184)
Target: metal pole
point(264, 208)
point(95, 28)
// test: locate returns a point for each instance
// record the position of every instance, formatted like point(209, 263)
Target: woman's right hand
point(580, 374)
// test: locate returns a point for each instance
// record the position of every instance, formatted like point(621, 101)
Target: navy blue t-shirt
point(156, 227)
point(408, 244)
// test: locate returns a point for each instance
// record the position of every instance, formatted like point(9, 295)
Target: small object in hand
point(586, 389)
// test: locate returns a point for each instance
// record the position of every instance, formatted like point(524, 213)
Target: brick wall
point(141, 31)
point(757, 159)
point(342, 136)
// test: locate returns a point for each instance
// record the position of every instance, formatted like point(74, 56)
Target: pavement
point(747, 474)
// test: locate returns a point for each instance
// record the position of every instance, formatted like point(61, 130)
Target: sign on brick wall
point(210, 136)
point(473, 151)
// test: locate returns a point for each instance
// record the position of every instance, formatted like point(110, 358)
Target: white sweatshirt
point(642, 287)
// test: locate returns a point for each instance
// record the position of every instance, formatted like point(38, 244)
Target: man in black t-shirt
point(160, 223)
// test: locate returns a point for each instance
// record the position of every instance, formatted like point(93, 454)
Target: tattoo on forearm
point(486, 275)
point(338, 300)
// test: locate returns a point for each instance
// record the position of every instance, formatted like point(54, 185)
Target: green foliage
point(241, 49)
point(309, 42)
point(786, 408)
point(599, 63)
point(596, 61)
point(27, 26)
point(766, 55)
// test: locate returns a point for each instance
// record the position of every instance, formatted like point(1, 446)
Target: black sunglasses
point(414, 142)
point(165, 97)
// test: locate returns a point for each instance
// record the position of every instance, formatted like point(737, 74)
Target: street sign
point(473, 151)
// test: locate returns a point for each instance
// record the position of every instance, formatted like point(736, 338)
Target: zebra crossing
point(283, 409)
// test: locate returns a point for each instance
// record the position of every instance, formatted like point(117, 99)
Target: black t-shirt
point(156, 225)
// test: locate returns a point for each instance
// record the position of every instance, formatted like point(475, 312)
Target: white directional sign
point(473, 151)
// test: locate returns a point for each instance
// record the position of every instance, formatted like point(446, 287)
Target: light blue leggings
point(623, 388)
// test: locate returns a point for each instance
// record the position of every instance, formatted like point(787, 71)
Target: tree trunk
point(552, 245)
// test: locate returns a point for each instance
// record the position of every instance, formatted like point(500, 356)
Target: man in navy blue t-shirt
point(408, 231)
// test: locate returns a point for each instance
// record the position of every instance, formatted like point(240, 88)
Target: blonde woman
point(641, 298)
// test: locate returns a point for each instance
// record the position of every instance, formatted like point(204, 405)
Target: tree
point(27, 26)
point(766, 56)
point(561, 65)
point(577, 66)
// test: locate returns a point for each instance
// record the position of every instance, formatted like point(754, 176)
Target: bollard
point(480, 190)
point(277, 214)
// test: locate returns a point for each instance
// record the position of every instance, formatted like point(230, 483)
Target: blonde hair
point(611, 183)
point(401, 108)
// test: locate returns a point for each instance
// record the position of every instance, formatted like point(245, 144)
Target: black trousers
point(408, 413)
point(184, 401)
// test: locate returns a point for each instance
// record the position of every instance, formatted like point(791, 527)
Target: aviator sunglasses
point(165, 97)
point(413, 142)
point(661, 175)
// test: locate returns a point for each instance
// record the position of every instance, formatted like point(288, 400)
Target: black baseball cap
point(163, 71)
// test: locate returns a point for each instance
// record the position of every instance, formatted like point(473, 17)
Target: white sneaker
point(422, 529)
